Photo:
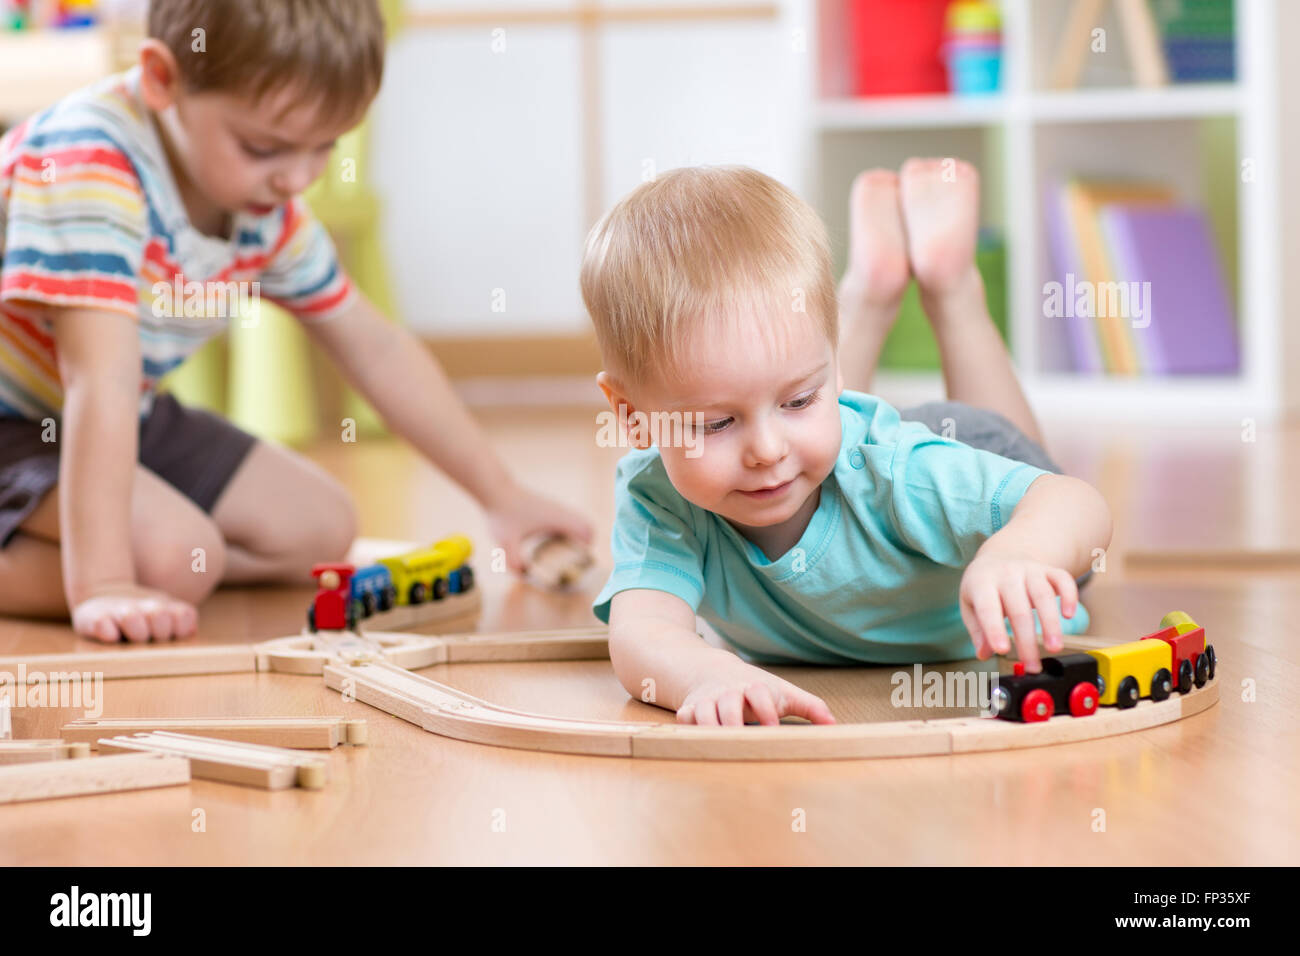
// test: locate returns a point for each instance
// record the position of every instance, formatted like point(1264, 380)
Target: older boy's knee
point(332, 527)
point(187, 561)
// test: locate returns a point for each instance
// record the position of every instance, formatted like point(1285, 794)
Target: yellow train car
point(431, 573)
point(1129, 672)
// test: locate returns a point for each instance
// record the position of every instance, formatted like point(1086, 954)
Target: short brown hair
point(332, 49)
point(696, 243)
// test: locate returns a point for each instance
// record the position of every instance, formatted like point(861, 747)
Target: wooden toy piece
point(455, 611)
point(6, 719)
point(68, 778)
point(1141, 39)
point(1066, 685)
point(299, 733)
point(32, 751)
point(1129, 672)
point(452, 713)
point(144, 661)
point(309, 653)
point(569, 644)
point(1179, 620)
point(272, 768)
point(555, 562)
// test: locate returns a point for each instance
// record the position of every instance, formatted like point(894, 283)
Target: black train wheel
point(1214, 659)
point(1128, 693)
point(417, 593)
point(1162, 684)
point(1185, 677)
point(466, 578)
point(368, 604)
point(439, 588)
point(311, 618)
point(1202, 670)
point(387, 598)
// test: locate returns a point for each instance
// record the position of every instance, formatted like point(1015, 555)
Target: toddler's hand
point(997, 586)
point(744, 694)
point(524, 514)
point(135, 613)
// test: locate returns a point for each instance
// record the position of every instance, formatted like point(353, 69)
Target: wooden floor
point(1218, 788)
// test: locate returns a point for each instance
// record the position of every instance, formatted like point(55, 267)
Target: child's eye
point(257, 153)
point(712, 428)
point(803, 402)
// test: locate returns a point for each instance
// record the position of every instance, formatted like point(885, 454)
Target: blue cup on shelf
point(974, 69)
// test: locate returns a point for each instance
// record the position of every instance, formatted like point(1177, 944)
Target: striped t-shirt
point(91, 217)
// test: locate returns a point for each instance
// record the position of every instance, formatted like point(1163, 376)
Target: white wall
point(476, 154)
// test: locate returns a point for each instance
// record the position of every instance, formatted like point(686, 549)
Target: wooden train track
point(377, 669)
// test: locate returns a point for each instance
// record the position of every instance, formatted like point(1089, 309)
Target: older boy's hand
point(742, 694)
point(997, 586)
point(522, 514)
point(135, 613)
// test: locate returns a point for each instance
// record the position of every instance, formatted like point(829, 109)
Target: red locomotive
point(334, 608)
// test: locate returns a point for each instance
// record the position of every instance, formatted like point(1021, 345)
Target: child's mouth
point(260, 210)
point(773, 491)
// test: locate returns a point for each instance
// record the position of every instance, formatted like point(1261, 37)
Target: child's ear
point(637, 435)
point(160, 77)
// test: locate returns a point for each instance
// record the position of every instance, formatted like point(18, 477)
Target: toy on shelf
point(973, 47)
point(1176, 657)
point(347, 594)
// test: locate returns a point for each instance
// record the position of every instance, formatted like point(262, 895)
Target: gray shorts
point(980, 428)
point(194, 451)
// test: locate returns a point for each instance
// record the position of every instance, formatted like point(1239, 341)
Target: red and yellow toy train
point(346, 594)
point(1176, 657)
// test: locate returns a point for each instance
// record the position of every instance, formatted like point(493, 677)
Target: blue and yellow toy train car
point(1176, 657)
point(425, 574)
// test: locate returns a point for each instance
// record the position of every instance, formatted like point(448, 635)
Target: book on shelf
point(1136, 283)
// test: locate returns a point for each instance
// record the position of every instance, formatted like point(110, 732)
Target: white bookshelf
point(1027, 133)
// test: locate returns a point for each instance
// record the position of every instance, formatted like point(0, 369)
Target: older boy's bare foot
point(876, 277)
point(940, 200)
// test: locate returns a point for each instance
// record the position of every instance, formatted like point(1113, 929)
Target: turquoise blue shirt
point(875, 576)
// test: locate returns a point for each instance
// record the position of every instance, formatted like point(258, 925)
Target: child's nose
point(767, 445)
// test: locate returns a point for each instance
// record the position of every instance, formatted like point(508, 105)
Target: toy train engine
point(1066, 684)
point(372, 588)
point(334, 608)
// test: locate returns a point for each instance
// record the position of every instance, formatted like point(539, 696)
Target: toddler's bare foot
point(940, 201)
point(877, 274)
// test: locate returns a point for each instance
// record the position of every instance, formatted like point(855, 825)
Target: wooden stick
point(302, 733)
point(453, 713)
point(556, 563)
point(1142, 37)
point(67, 778)
point(135, 662)
point(272, 768)
point(1075, 42)
point(31, 751)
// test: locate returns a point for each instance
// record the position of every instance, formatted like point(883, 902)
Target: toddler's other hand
point(745, 694)
point(523, 514)
point(135, 613)
point(998, 586)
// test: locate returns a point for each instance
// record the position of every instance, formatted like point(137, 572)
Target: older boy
point(188, 168)
point(809, 523)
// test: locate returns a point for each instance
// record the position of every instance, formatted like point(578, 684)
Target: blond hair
point(333, 50)
point(698, 244)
